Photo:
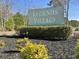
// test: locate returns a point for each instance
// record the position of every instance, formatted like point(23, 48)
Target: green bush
point(62, 32)
point(29, 50)
point(9, 25)
point(77, 50)
point(18, 21)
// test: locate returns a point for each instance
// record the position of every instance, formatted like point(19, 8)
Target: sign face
point(46, 16)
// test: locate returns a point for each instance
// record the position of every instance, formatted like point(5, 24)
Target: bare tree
point(4, 12)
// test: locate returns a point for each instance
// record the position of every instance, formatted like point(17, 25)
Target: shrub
point(62, 32)
point(9, 25)
point(77, 50)
point(31, 50)
point(2, 44)
point(18, 21)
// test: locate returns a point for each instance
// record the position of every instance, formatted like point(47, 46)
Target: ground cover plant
point(29, 50)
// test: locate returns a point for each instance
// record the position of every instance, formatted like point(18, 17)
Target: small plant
point(77, 50)
point(31, 50)
point(2, 43)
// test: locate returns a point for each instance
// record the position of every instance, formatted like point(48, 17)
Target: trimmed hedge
point(57, 32)
point(62, 32)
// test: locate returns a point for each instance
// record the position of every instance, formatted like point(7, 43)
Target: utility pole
point(66, 11)
point(68, 8)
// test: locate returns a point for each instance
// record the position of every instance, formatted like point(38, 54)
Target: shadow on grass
point(35, 38)
point(14, 36)
point(11, 51)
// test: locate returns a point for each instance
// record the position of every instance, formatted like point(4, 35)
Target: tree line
point(15, 22)
point(74, 23)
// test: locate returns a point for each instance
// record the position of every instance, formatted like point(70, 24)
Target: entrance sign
point(46, 16)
